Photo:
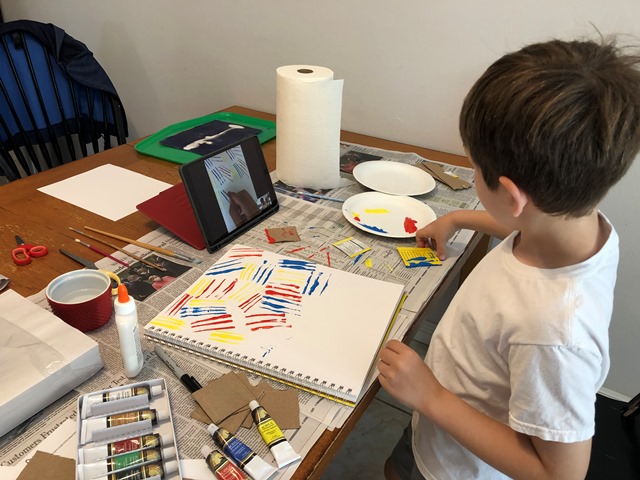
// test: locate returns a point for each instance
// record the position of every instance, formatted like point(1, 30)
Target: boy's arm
point(437, 233)
point(405, 376)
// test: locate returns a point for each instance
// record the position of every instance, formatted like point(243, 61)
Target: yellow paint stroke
point(368, 263)
point(168, 322)
point(226, 337)
point(248, 271)
point(290, 276)
point(199, 287)
point(389, 267)
point(204, 302)
point(246, 291)
point(376, 211)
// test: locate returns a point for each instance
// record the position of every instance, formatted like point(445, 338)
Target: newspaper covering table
point(320, 224)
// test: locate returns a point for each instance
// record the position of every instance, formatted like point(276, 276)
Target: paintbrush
point(140, 259)
point(102, 252)
point(148, 246)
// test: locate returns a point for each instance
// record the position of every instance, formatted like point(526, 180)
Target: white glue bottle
point(128, 332)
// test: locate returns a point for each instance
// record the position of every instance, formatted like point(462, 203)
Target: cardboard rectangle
point(437, 172)
point(49, 466)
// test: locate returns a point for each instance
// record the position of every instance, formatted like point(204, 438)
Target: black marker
point(187, 380)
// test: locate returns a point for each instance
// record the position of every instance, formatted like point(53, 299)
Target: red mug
point(82, 298)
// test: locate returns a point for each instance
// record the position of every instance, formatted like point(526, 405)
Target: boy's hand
point(436, 234)
point(405, 376)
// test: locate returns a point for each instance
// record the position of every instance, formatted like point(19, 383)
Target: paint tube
point(152, 471)
point(141, 392)
point(125, 461)
point(95, 454)
point(221, 466)
point(241, 454)
point(92, 425)
point(280, 447)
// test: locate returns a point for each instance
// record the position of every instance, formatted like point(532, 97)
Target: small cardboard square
point(223, 397)
point(49, 466)
point(438, 172)
point(282, 405)
point(282, 234)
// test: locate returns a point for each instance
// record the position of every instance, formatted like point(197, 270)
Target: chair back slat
point(23, 115)
point(48, 115)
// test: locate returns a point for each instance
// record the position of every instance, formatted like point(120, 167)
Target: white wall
point(406, 66)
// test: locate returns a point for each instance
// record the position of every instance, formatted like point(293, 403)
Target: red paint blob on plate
point(410, 225)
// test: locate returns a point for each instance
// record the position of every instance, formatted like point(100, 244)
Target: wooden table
point(41, 219)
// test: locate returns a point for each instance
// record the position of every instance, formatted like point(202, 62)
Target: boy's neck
point(547, 241)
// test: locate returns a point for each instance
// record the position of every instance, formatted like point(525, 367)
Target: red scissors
point(23, 253)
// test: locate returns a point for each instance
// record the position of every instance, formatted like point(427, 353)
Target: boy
point(508, 386)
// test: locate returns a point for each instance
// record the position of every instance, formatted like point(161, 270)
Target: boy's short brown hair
point(560, 119)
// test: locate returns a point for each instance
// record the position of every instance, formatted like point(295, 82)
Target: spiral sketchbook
point(306, 325)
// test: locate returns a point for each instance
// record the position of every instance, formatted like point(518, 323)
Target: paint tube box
point(113, 420)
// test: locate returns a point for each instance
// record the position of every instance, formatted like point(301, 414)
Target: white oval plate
point(387, 215)
point(393, 178)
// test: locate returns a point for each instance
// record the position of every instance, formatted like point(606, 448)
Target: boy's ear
point(517, 197)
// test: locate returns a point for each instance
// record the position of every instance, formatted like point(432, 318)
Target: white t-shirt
point(525, 346)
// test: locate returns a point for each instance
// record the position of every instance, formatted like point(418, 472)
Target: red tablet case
point(172, 209)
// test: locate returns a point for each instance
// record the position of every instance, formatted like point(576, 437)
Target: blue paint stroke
point(259, 272)
point(222, 272)
point(326, 284)
point(196, 311)
point(315, 284)
point(213, 270)
point(355, 260)
point(297, 264)
point(306, 285)
point(373, 228)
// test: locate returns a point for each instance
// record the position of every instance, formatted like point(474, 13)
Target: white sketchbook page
point(109, 191)
point(332, 334)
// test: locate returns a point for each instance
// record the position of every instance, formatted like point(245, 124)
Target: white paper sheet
point(109, 191)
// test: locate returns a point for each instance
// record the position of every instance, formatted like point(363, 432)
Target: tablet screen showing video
point(230, 191)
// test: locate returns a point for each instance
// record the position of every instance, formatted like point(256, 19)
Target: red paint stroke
point(328, 259)
point(230, 287)
point(208, 287)
point(256, 301)
point(292, 285)
point(283, 288)
point(219, 285)
point(267, 327)
point(269, 237)
point(214, 329)
point(297, 249)
point(266, 315)
point(357, 218)
point(248, 301)
point(410, 225)
point(245, 252)
point(272, 320)
point(278, 293)
point(217, 318)
point(179, 304)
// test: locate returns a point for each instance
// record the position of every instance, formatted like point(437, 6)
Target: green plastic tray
point(151, 145)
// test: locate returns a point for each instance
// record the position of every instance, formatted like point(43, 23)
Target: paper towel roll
point(308, 110)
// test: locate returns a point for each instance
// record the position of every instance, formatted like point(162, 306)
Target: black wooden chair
point(57, 104)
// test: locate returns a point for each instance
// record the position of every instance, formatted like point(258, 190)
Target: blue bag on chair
point(55, 100)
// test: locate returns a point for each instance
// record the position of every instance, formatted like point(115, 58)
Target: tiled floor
point(364, 452)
